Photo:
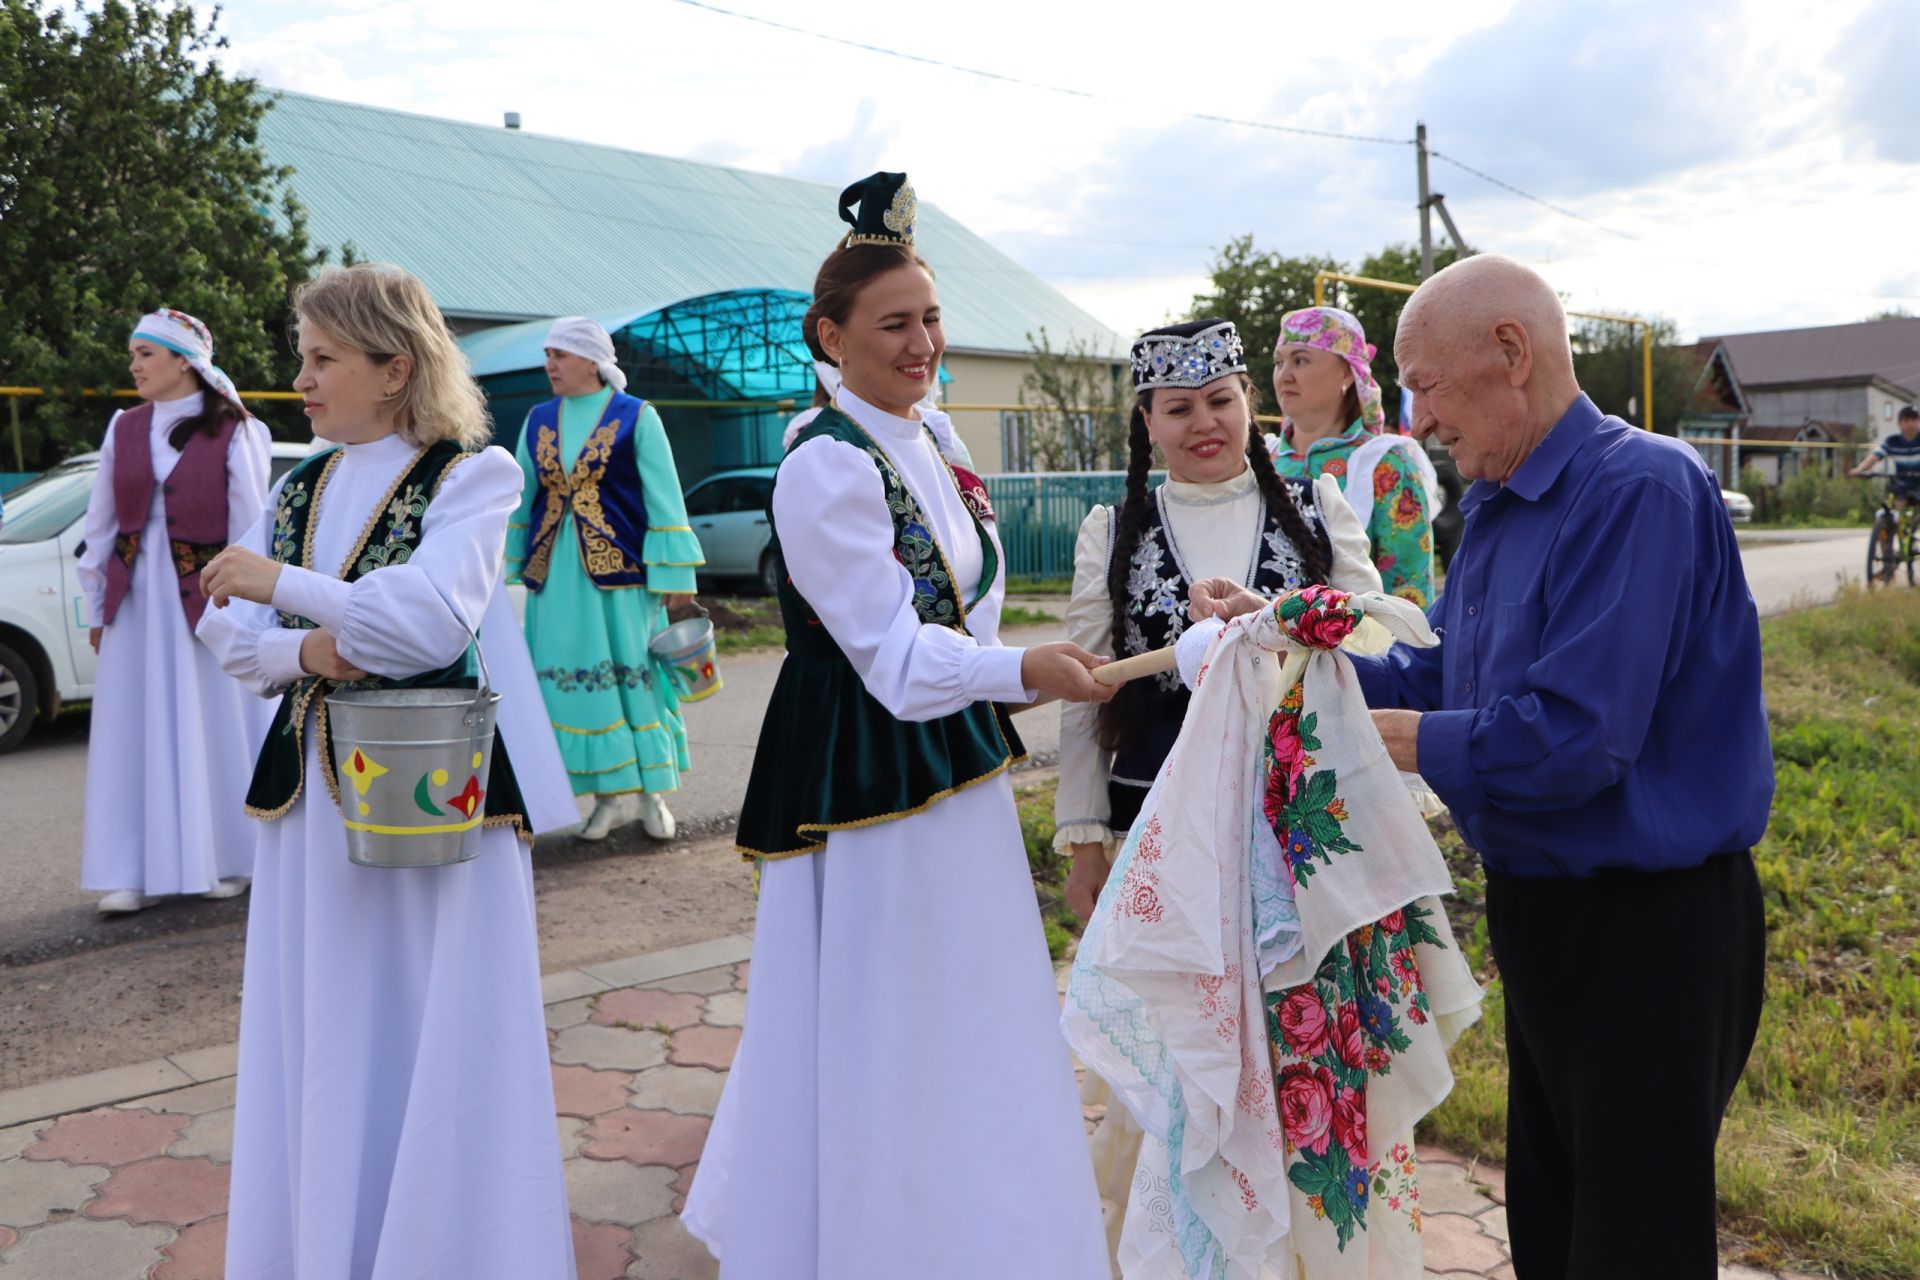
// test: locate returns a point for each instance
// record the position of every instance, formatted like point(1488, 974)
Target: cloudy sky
point(1733, 164)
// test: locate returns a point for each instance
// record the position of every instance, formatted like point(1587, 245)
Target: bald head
point(1472, 296)
point(1483, 347)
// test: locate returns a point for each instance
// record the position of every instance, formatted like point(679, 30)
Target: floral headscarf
point(188, 338)
point(1331, 329)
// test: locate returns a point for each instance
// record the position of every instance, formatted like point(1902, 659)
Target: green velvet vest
point(392, 532)
point(831, 757)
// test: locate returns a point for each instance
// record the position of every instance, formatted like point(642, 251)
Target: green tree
point(1254, 289)
point(1077, 405)
point(1378, 310)
point(132, 177)
point(1608, 360)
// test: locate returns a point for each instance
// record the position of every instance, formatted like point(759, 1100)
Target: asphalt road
point(43, 914)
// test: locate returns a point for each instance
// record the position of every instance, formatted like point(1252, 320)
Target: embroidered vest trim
point(831, 757)
point(603, 490)
point(391, 533)
point(1158, 584)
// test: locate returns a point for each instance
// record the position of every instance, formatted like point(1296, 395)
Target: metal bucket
point(688, 652)
point(411, 765)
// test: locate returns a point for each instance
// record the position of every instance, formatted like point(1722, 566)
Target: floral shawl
point(1268, 981)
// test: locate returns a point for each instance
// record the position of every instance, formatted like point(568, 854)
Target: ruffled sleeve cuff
point(672, 547)
point(1082, 831)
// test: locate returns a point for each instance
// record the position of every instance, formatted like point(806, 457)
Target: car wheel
point(19, 699)
point(769, 574)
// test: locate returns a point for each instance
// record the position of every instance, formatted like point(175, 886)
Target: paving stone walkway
point(122, 1175)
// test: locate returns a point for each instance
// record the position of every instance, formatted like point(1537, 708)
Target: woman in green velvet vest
point(901, 1103)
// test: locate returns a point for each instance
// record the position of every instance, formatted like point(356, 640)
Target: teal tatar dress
point(615, 709)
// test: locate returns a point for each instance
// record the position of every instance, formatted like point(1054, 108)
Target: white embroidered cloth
point(1204, 914)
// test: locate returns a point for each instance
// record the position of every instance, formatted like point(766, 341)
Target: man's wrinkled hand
point(1222, 598)
point(1400, 731)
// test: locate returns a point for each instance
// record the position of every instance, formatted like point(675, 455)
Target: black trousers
point(1632, 1002)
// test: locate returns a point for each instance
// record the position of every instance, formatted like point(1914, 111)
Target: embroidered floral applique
point(1155, 589)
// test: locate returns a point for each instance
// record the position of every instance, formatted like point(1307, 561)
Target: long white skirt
point(902, 1103)
point(170, 748)
point(395, 1115)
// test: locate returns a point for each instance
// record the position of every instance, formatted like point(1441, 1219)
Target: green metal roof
point(508, 225)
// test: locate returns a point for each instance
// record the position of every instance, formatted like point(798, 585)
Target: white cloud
point(1769, 179)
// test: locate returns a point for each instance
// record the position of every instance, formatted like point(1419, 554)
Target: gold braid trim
point(827, 828)
point(546, 530)
point(303, 699)
point(597, 549)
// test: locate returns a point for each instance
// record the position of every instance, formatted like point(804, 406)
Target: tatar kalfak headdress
point(887, 210)
point(1187, 355)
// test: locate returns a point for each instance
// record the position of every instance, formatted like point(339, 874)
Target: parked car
point(1739, 506)
point(728, 512)
point(45, 660)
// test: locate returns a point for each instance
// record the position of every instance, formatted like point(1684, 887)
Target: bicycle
point(1892, 540)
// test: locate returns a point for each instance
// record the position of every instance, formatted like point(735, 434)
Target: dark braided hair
point(1119, 719)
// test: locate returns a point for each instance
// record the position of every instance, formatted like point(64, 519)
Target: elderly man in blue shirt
point(1594, 720)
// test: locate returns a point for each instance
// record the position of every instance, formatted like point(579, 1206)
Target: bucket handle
point(477, 711)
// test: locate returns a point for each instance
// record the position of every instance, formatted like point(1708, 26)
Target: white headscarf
point(579, 336)
point(188, 338)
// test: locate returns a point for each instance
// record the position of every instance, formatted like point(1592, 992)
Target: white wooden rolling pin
point(1158, 660)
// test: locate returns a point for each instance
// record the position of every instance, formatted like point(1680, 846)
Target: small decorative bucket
point(687, 650)
point(412, 767)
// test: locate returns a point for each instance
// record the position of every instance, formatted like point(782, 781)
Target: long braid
point(1310, 543)
point(1119, 719)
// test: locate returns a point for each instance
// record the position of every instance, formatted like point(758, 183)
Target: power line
point(1035, 84)
point(1528, 195)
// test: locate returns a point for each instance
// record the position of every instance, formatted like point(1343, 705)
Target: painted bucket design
point(412, 766)
point(687, 650)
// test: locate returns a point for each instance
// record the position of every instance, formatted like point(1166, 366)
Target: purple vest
point(194, 498)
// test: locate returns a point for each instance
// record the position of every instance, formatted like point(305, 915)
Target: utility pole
point(1426, 204)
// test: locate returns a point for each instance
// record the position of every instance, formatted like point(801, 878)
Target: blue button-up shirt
point(1595, 701)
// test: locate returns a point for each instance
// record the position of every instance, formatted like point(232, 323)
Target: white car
point(45, 660)
point(1739, 506)
point(728, 512)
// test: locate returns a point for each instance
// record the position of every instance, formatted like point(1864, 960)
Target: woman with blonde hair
point(395, 1109)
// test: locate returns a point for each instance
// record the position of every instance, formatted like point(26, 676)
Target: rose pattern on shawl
point(1352, 1048)
point(1350, 1125)
point(1318, 617)
point(1305, 1092)
point(1290, 739)
point(1322, 1081)
point(1303, 1022)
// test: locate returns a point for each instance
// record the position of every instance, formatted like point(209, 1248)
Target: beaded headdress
point(1187, 355)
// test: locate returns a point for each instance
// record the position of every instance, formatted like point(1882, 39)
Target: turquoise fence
point(1039, 515)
